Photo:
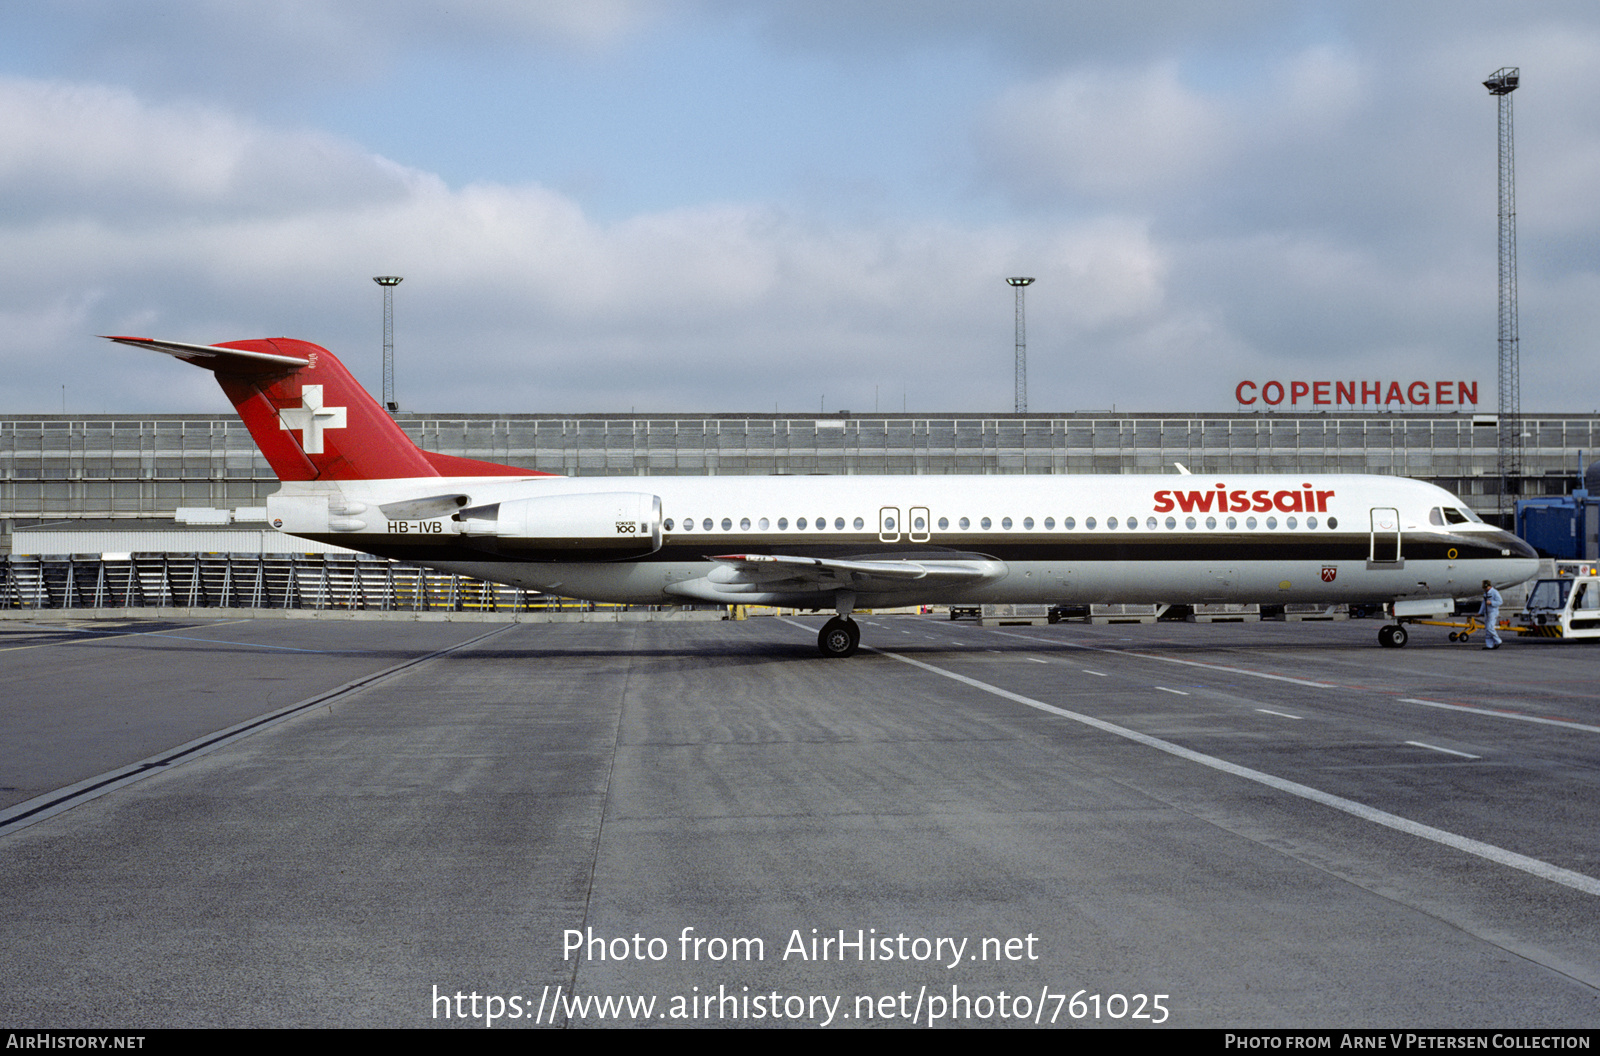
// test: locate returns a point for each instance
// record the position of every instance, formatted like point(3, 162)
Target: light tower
point(388, 282)
point(1501, 84)
point(1020, 284)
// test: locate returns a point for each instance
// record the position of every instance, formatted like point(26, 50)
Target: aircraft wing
point(780, 573)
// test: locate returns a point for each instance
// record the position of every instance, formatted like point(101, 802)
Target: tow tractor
point(1566, 607)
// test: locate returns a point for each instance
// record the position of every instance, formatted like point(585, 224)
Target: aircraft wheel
point(839, 637)
point(1386, 636)
point(1398, 636)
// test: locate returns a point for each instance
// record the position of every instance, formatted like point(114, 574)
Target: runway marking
point(101, 636)
point(1179, 692)
point(1447, 751)
point(1175, 660)
point(1488, 852)
point(1280, 714)
point(222, 641)
point(1097, 674)
point(1036, 660)
point(1566, 724)
point(21, 815)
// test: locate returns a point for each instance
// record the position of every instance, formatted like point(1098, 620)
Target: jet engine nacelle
point(614, 525)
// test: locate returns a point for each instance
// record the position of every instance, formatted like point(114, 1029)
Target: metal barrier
point(260, 581)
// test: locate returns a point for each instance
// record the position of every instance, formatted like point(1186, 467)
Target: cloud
point(196, 224)
point(85, 149)
point(1106, 133)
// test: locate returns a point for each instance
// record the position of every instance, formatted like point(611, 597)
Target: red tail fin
point(310, 417)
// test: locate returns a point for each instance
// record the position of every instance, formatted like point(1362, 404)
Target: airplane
point(351, 477)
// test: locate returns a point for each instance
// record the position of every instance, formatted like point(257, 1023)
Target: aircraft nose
point(1517, 547)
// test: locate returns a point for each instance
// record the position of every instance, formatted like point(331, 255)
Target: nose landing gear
point(1393, 636)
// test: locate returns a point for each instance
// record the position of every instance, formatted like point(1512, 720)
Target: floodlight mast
point(1501, 84)
point(388, 282)
point(1020, 283)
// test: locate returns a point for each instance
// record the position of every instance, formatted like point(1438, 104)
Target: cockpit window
point(1443, 515)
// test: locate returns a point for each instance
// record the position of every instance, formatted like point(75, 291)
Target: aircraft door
point(1385, 548)
point(889, 526)
point(920, 527)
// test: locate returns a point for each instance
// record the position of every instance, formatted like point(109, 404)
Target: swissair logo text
point(1306, 500)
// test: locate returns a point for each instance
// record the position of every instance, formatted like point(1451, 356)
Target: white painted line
point(1447, 751)
point(1280, 714)
point(1097, 674)
point(1175, 660)
point(1563, 723)
point(1036, 660)
point(1179, 692)
point(1488, 852)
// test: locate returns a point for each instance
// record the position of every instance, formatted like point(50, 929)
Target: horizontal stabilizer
point(214, 357)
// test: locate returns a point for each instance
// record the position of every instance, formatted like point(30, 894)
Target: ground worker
point(1490, 611)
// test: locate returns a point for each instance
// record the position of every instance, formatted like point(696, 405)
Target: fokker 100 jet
point(351, 477)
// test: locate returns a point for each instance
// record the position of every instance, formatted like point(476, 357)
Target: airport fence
point(259, 581)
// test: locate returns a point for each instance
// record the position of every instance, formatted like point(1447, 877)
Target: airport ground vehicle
point(1565, 607)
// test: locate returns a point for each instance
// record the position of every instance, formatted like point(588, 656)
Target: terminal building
point(75, 488)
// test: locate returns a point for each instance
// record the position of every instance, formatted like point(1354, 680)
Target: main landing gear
point(839, 637)
point(1393, 636)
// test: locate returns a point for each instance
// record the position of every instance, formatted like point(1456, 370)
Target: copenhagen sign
point(1345, 393)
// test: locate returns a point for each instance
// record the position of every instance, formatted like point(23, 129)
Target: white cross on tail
point(311, 418)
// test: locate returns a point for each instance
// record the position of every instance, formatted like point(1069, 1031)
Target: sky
point(659, 206)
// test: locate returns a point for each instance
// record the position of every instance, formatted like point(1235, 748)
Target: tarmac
point(280, 823)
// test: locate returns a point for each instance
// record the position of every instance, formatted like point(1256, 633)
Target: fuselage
point(1177, 539)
